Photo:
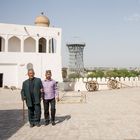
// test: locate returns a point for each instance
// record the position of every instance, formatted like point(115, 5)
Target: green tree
point(74, 75)
point(96, 74)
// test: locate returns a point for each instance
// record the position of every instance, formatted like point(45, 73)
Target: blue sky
point(110, 28)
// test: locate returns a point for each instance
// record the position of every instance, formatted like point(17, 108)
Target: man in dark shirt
point(31, 88)
point(31, 92)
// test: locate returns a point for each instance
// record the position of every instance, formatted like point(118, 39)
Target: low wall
point(79, 84)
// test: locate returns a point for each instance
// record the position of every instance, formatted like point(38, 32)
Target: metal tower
point(76, 63)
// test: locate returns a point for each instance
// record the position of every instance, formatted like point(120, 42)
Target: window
point(14, 44)
point(42, 45)
point(2, 44)
point(29, 45)
point(52, 45)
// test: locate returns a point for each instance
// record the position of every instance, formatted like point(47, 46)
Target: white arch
point(2, 44)
point(29, 45)
point(14, 44)
point(42, 45)
point(26, 37)
point(52, 45)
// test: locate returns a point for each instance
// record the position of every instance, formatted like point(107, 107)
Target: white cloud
point(135, 17)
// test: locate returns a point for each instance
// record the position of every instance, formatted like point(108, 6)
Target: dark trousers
point(34, 113)
point(46, 109)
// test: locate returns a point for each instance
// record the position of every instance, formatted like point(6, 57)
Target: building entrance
point(1, 80)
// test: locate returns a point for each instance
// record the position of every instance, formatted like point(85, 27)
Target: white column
point(47, 46)
point(22, 45)
point(6, 44)
point(37, 45)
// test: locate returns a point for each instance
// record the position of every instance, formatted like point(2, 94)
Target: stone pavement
point(107, 115)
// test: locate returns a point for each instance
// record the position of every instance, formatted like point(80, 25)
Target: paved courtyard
point(106, 115)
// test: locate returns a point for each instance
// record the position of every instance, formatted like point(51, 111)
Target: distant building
point(23, 47)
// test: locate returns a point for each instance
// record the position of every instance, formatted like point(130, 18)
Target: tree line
point(109, 73)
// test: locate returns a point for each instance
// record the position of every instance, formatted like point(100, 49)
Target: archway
point(2, 44)
point(42, 45)
point(29, 45)
point(14, 44)
point(52, 45)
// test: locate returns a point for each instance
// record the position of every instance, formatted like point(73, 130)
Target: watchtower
point(76, 63)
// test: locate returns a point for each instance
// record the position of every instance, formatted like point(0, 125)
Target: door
point(1, 80)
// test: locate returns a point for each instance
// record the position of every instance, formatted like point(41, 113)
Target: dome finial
point(42, 13)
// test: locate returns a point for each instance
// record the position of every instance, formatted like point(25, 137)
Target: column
point(37, 45)
point(47, 46)
point(6, 43)
point(22, 45)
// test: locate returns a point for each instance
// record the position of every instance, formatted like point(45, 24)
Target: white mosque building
point(23, 47)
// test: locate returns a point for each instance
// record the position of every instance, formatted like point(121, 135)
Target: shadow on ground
point(62, 118)
point(10, 122)
point(59, 119)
